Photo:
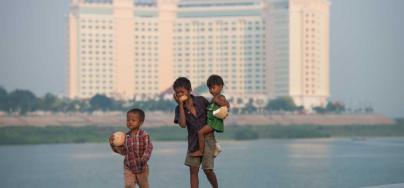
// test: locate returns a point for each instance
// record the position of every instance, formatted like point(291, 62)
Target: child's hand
point(183, 98)
point(176, 99)
point(180, 99)
point(217, 100)
point(221, 101)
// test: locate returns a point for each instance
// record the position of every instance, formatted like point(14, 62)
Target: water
point(307, 163)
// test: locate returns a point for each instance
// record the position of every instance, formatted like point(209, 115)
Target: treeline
point(85, 134)
point(24, 101)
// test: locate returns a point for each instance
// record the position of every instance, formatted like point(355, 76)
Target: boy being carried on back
point(215, 84)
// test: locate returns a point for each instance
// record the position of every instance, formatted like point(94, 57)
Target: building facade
point(262, 49)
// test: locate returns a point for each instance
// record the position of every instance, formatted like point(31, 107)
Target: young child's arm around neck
point(221, 101)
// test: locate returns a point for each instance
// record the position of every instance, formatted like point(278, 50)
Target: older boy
point(191, 113)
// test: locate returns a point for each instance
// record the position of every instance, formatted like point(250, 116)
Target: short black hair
point(182, 82)
point(214, 79)
point(137, 111)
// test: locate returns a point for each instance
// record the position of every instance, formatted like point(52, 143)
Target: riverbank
point(99, 134)
point(159, 119)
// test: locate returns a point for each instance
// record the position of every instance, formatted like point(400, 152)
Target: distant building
point(262, 49)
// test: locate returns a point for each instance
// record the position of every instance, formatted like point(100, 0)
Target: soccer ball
point(221, 113)
point(119, 138)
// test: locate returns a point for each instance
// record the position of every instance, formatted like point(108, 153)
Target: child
point(136, 149)
point(191, 114)
point(215, 85)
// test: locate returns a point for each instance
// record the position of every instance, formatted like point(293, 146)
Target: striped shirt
point(137, 151)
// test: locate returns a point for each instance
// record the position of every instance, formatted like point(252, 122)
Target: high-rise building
point(127, 48)
point(298, 42)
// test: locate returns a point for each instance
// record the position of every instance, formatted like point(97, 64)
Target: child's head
point(215, 84)
point(182, 86)
point(134, 118)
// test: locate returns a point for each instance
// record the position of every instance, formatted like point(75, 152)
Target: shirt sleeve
point(177, 114)
point(148, 149)
point(124, 149)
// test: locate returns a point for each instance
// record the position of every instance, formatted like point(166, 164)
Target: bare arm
point(221, 101)
point(181, 119)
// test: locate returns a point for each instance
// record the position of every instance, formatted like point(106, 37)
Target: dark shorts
point(207, 160)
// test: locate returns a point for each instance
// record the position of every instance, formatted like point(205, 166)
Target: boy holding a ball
point(137, 149)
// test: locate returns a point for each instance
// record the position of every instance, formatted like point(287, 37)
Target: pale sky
point(366, 50)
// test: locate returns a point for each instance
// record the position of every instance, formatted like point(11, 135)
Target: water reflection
point(309, 161)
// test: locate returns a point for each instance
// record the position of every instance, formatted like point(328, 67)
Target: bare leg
point(201, 136)
point(210, 174)
point(130, 178)
point(142, 179)
point(194, 180)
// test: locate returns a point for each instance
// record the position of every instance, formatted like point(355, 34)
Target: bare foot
point(196, 154)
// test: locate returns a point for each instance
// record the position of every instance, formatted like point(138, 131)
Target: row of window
point(146, 71)
point(96, 35)
point(210, 36)
point(96, 87)
point(155, 24)
point(107, 48)
point(246, 47)
point(97, 52)
point(145, 37)
point(97, 58)
point(96, 27)
point(219, 42)
point(96, 40)
point(96, 21)
point(147, 29)
point(218, 29)
point(97, 65)
point(96, 70)
point(90, 76)
point(233, 23)
point(149, 60)
point(224, 53)
point(94, 92)
point(148, 77)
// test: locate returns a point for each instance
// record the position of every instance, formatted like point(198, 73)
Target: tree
point(281, 104)
point(319, 109)
point(331, 107)
point(101, 102)
point(249, 107)
point(335, 107)
point(74, 105)
point(22, 101)
point(3, 99)
point(50, 103)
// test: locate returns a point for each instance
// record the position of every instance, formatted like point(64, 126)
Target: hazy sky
point(366, 57)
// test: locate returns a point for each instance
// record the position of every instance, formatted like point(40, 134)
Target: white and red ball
point(119, 138)
point(221, 112)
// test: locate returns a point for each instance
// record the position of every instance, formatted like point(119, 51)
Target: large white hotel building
point(261, 48)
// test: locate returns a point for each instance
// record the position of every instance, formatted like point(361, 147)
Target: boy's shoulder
point(143, 132)
point(200, 98)
point(140, 132)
